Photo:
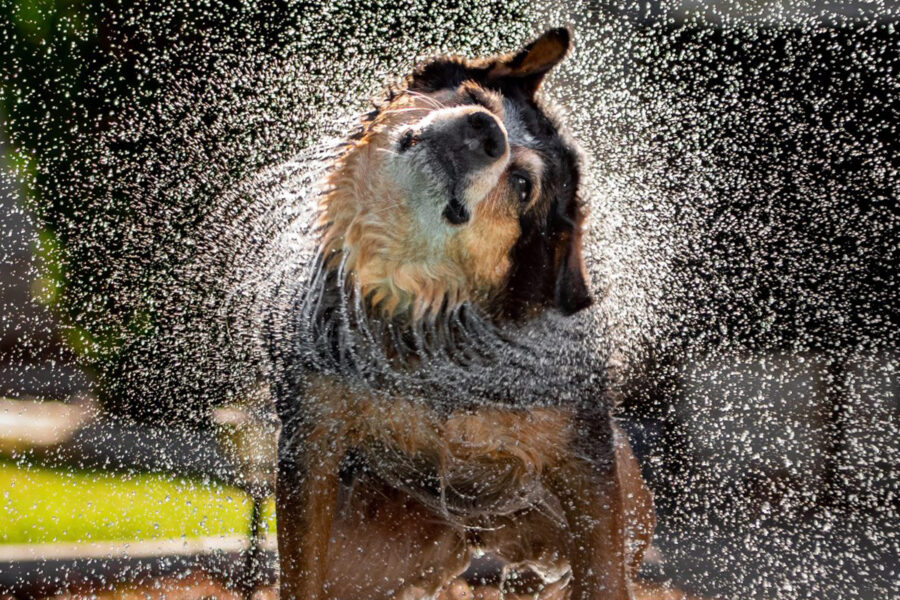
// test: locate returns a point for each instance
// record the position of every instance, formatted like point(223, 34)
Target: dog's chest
point(466, 464)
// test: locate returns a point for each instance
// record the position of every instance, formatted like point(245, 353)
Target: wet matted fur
point(449, 393)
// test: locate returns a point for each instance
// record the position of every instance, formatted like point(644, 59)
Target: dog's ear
point(571, 292)
point(529, 66)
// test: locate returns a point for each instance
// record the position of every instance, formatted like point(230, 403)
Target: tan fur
point(382, 536)
point(526, 437)
point(542, 55)
point(367, 222)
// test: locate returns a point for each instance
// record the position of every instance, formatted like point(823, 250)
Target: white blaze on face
point(426, 183)
point(422, 192)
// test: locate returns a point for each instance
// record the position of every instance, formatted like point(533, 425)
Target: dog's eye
point(521, 185)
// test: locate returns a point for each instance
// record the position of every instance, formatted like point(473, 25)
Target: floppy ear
point(571, 292)
point(529, 66)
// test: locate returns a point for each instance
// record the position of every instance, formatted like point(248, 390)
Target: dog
point(424, 426)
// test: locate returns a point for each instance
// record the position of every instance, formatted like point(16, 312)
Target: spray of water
point(742, 183)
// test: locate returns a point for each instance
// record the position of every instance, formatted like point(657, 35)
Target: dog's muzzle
point(462, 145)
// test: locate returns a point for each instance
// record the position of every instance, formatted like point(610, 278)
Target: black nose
point(484, 128)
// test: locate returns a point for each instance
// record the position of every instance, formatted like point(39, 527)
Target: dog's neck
point(341, 317)
point(457, 357)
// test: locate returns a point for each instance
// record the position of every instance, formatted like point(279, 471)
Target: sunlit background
point(743, 185)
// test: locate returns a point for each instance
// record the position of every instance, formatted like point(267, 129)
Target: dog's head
point(460, 188)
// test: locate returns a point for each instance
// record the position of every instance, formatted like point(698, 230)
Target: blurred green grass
point(41, 505)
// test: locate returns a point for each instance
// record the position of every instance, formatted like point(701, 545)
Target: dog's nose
point(484, 134)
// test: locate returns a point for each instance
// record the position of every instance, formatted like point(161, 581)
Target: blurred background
point(744, 192)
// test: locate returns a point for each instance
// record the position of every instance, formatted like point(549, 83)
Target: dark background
point(761, 388)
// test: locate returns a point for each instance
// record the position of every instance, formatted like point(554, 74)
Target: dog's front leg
point(305, 502)
point(586, 481)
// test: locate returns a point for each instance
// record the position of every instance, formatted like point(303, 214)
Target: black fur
point(535, 275)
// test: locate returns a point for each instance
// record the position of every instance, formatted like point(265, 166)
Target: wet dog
point(433, 418)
